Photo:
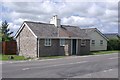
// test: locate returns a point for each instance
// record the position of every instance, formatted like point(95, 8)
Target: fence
point(0, 47)
point(9, 48)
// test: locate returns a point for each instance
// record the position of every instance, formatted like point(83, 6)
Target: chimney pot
point(55, 21)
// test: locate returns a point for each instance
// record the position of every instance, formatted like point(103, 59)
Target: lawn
point(103, 52)
point(0, 37)
point(16, 57)
point(52, 57)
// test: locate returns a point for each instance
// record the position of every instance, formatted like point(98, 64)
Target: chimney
point(55, 21)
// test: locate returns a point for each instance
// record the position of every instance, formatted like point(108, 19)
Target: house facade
point(36, 39)
point(98, 41)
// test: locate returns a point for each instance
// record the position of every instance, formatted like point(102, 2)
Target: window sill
point(62, 45)
point(47, 45)
point(83, 45)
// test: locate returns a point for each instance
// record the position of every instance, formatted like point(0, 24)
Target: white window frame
point(62, 42)
point(47, 42)
point(101, 42)
point(93, 42)
point(83, 42)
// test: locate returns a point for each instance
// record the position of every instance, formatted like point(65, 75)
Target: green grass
point(0, 37)
point(52, 57)
point(16, 57)
point(103, 52)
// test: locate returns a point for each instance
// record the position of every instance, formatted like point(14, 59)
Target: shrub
point(114, 44)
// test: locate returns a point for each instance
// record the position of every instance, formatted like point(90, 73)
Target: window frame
point(101, 41)
point(93, 42)
point(47, 42)
point(62, 43)
point(83, 42)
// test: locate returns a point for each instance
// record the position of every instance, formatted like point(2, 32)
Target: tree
point(6, 33)
point(114, 44)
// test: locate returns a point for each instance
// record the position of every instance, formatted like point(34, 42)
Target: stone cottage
point(36, 39)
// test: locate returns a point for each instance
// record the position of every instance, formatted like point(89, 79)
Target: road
point(95, 66)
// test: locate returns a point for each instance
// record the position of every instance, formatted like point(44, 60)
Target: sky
point(83, 13)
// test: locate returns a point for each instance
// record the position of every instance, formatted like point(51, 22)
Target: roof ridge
point(89, 28)
point(37, 22)
point(69, 26)
point(111, 33)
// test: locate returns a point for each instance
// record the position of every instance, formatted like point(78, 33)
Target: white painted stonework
point(97, 46)
point(55, 21)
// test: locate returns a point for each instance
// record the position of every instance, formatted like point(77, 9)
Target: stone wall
point(97, 46)
point(27, 43)
point(55, 48)
point(83, 50)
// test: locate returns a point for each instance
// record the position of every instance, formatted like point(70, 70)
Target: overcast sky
point(85, 14)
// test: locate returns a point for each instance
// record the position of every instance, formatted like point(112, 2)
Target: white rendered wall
point(97, 37)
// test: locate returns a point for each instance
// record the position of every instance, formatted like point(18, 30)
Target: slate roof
point(42, 29)
point(112, 36)
point(75, 31)
point(49, 30)
point(88, 31)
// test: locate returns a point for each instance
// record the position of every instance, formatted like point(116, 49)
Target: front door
point(74, 47)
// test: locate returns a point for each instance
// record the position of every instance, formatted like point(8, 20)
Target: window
point(62, 42)
point(101, 42)
point(83, 42)
point(47, 42)
point(93, 42)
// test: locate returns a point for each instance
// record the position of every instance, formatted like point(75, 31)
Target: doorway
point(74, 42)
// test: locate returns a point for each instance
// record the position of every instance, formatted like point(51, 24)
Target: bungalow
point(98, 41)
point(36, 39)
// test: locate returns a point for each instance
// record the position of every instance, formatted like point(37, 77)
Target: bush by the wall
point(114, 44)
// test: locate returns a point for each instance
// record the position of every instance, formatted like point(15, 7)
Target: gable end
point(101, 34)
point(21, 28)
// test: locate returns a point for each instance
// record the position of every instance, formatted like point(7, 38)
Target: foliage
point(5, 31)
point(0, 37)
point(114, 44)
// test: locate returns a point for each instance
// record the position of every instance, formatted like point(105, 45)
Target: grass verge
point(52, 57)
point(16, 57)
point(103, 52)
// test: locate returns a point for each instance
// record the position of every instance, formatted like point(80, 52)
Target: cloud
point(80, 21)
point(13, 28)
point(96, 10)
point(0, 23)
point(83, 14)
point(112, 5)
